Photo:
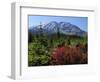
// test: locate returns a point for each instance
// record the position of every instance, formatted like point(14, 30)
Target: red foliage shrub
point(67, 55)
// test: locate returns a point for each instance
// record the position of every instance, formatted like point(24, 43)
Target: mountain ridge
point(63, 27)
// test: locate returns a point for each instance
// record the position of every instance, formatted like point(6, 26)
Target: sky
point(81, 22)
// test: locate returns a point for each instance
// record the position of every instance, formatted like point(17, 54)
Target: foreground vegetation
point(56, 49)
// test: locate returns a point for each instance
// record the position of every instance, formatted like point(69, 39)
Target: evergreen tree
point(29, 36)
point(58, 32)
point(41, 29)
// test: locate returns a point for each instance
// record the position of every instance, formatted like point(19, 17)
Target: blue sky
point(81, 22)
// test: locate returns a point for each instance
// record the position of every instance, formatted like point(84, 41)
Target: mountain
point(63, 28)
point(70, 29)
